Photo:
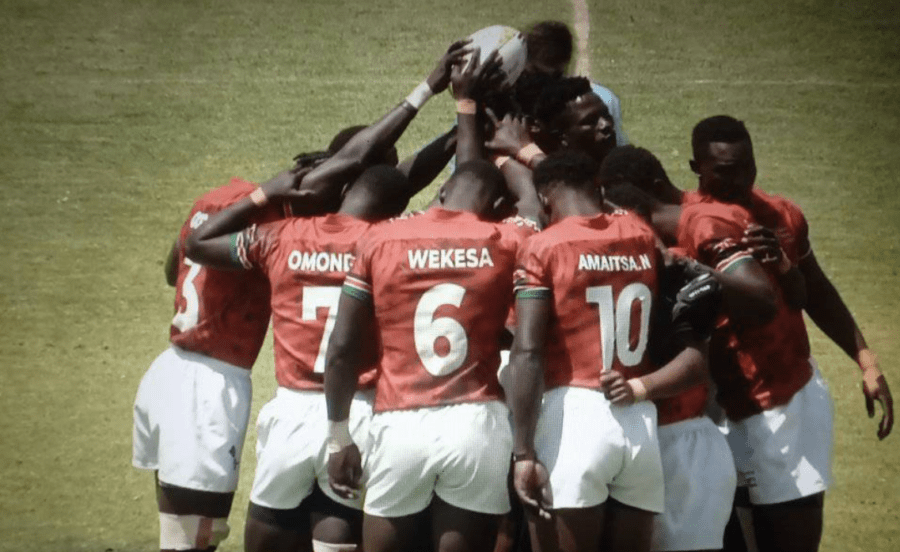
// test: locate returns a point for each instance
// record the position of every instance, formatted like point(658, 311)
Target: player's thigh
point(569, 530)
point(640, 481)
point(626, 528)
point(577, 440)
point(784, 453)
point(401, 475)
point(457, 529)
point(199, 410)
point(395, 534)
point(700, 480)
point(290, 433)
point(473, 456)
point(793, 526)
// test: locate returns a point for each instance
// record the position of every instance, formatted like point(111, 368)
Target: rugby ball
point(511, 45)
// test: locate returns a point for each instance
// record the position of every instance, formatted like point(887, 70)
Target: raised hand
point(511, 134)
point(471, 79)
point(439, 79)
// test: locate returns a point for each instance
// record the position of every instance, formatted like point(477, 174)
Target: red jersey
point(220, 313)
point(602, 273)
point(754, 368)
point(690, 196)
point(441, 285)
point(306, 261)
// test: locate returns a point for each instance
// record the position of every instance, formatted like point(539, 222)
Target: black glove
point(697, 305)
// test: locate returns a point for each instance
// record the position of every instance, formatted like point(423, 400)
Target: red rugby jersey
point(603, 275)
point(441, 285)
point(306, 261)
point(754, 368)
point(220, 313)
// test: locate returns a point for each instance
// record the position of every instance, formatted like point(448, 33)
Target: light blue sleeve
point(612, 102)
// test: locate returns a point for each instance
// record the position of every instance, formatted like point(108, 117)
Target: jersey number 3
point(187, 318)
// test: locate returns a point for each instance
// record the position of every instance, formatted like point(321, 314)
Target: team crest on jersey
point(198, 219)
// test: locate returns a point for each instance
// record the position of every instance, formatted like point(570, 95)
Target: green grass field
point(116, 114)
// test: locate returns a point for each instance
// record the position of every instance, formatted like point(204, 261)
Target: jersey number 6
point(428, 329)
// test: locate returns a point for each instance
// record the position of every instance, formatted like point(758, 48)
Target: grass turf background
point(116, 114)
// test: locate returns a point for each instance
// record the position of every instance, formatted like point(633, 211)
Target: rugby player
point(305, 261)
point(438, 286)
point(193, 403)
point(585, 292)
point(698, 468)
point(778, 405)
point(550, 52)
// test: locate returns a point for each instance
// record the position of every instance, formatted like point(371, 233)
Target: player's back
point(442, 288)
point(603, 274)
point(306, 261)
point(220, 314)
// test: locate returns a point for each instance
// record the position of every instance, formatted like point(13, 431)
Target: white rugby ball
point(511, 45)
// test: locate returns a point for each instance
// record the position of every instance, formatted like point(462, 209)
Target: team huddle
point(564, 351)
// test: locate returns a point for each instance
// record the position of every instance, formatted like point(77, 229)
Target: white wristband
point(419, 95)
point(338, 436)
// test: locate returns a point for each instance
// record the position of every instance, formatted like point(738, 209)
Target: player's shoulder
point(707, 207)
point(608, 96)
point(777, 202)
point(226, 194)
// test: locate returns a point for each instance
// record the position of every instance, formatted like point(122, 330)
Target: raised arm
point(371, 143)
point(170, 266)
point(831, 315)
point(211, 243)
point(422, 167)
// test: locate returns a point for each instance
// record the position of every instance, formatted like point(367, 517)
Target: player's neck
point(574, 203)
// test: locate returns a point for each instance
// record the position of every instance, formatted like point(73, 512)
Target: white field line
point(582, 28)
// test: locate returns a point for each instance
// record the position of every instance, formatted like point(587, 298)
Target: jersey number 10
point(615, 322)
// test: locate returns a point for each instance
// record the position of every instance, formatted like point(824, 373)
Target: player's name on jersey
point(614, 263)
point(320, 261)
point(471, 257)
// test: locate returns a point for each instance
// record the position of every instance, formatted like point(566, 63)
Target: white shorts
point(459, 452)
point(290, 447)
point(594, 450)
point(700, 479)
point(190, 420)
point(784, 453)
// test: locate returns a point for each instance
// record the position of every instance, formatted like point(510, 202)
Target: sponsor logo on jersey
point(320, 261)
point(471, 257)
point(614, 263)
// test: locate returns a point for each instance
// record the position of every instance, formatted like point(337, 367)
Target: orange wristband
point(500, 160)
point(867, 360)
point(638, 389)
point(466, 107)
point(258, 197)
point(527, 154)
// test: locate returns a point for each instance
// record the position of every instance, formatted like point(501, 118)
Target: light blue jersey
point(612, 102)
